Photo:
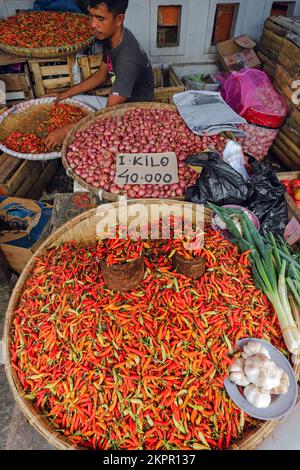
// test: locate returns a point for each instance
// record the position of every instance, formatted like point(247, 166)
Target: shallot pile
point(92, 154)
point(258, 141)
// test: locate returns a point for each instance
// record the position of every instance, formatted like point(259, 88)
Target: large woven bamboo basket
point(84, 124)
point(25, 117)
point(48, 52)
point(82, 229)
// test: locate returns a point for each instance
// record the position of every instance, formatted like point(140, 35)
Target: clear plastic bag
point(234, 156)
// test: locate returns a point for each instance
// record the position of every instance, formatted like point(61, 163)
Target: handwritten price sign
point(146, 168)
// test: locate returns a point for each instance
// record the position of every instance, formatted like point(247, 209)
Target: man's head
point(107, 16)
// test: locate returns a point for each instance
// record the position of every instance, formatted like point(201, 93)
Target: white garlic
point(237, 374)
point(252, 348)
point(283, 386)
point(257, 397)
point(262, 372)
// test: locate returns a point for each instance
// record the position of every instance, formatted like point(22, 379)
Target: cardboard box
point(25, 223)
point(238, 53)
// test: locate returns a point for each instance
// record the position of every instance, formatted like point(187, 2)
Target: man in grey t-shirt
point(124, 61)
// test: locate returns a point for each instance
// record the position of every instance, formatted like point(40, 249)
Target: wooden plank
point(291, 133)
point(29, 181)
point(291, 50)
point(276, 28)
point(95, 60)
point(14, 81)
point(71, 62)
point(38, 187)
point(269, 53)
point(52, 70)
point(274, 38)
point(281, 75)
point(37, 78)
point(288, 23)
point(288, 153)
point(267, 42)
point(7, 170)
point(84, 67)
point(269, 71)
point(5, 273)
point(9, 59)
point(21, 175)
point(266, 60)
point(289, 64)
point(56, 82)
point(289, 144)
point(279, 153)
point(3, 158)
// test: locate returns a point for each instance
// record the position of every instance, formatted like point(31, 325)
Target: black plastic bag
point(266, 198)
point(218, 182)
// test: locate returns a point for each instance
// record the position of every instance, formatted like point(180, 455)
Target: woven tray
point(48, 52)
point(82, 229)
point(85, 123)
point(24, 117)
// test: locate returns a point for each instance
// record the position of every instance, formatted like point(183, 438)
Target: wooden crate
point(90, 64)
point(167, 83)
point(51, 75)
point(18, 84)
point(24, 178)
point(293, 209)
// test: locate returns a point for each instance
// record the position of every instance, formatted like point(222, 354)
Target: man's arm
point(115, 99)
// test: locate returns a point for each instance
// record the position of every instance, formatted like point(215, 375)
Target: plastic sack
point(258, 140)
point(218, 182)
point(56, 5)
point(266, 198)
point(251, 94)
point(234, 156)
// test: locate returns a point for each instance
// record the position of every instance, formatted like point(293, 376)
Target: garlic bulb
point(262, 372)
point(237, 374)
point(283, 386)
point(257, 397)
point(252, 348)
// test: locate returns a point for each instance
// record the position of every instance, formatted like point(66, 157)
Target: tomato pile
point(293, 189)
point(42, 29)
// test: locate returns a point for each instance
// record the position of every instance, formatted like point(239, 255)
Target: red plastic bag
point(251, 94)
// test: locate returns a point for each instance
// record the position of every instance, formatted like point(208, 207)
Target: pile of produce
point(118, 250)
point(142, 369)
point(42, 29)
point(60, 115)
point(258, 140)
point(92, 155)
point(260, 376)
point(293, 189)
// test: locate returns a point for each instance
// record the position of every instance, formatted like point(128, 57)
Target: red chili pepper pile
point(118, 250)
point(60, 115)
point(45, 29)
point(142, 369)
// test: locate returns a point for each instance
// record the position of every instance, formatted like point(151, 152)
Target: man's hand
point(60, 96)
point(55, 138)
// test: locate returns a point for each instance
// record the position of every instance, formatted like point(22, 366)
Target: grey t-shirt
point(130, 69)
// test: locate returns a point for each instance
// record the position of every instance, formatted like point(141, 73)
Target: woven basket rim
point(250, 440)
point(19, 108)
point(85, 123)
point(49, 52)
